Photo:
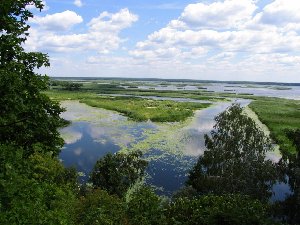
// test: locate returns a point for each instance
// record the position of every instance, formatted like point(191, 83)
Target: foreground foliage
point(218, 210)
point(99, 207)
point(27, 116)
point(35, 190)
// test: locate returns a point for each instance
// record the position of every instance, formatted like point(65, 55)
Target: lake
point(280, 91)
point(171, 148)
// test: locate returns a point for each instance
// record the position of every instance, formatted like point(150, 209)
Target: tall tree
point(27, 116)
point(235, 159)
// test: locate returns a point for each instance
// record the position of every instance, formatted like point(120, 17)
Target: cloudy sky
point(255, 40)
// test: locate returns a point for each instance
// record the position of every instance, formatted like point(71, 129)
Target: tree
point(98, 207)
point(218, 210)
point(146, 208)
point(36, 189)
point(291, 206)
point(116, 173)
point(27, 116)
point(235, 159)
point(70, 86)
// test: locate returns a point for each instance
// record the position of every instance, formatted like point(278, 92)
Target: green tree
point(35, 190)
point(146, 208)
point(116, 173)
point(218, 210)
point(70, 86)
point(235, 159)
point(27, 116)
point(98, 207)
point(291, 206)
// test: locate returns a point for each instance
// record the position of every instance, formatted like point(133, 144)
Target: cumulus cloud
point(58, 21)
point(224, 37)
point(78, 3)
point(218, 15)
point(109, 22)
point(219, 28)
point(102, 34)
point(281, 12)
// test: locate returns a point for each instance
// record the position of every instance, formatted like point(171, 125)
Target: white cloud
point(222, 39)
point(228, 37)
point(281, 12)
point(109, 22)
point(78, 3)
point(218, 15)
point(198, 26)
point(58, 21)
point(102, 33)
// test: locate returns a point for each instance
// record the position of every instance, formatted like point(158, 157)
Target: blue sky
point(256, 40)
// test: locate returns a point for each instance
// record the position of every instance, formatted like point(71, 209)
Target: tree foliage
point(116, 173)
point(35, 190)
point(146, 208)
point(99, 207)
point(218, 210)
point(27, 116)
point(235, 159)
point(291, 206)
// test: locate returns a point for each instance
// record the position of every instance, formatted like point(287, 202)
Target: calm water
point(293, 92)
point(171, 149)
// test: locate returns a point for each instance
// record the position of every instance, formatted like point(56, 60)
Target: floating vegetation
point(137, 109)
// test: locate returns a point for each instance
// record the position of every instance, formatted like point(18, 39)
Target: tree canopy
point(291, 205)
point(235, 159)
point(27, 117)
point(116, 173)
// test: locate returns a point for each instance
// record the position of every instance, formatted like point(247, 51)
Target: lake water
point(171, 148)
point(280, 91)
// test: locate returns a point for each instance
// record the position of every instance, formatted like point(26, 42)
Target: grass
point(279, 115)
point(135, 108)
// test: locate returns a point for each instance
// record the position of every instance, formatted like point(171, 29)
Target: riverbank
point(279, 115)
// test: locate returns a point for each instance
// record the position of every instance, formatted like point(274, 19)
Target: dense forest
point(230, 184)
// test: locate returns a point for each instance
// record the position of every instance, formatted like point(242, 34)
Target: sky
point(243, 40)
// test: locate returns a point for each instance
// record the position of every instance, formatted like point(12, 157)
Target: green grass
point(279, 115)
point(135, 108)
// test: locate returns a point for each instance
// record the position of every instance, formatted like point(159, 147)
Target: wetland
point(167, 122)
